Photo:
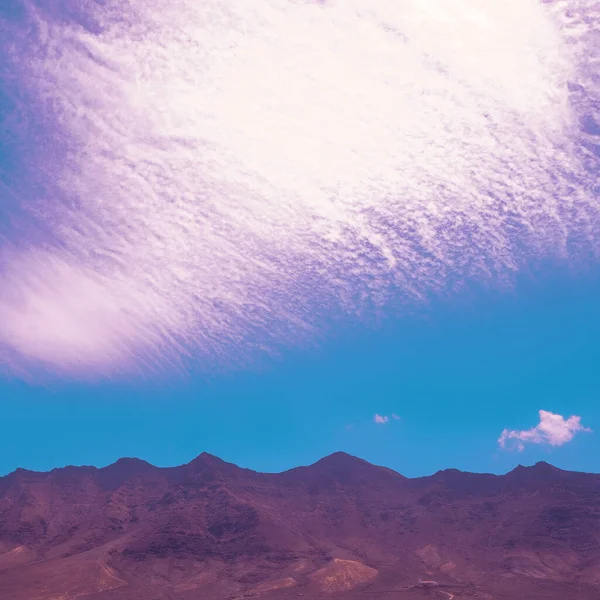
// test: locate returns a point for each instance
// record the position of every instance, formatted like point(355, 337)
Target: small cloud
point(552, 429)
point(381, 420)
point(349, 427)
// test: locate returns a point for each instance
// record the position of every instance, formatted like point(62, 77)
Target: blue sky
point(199, 252)
point(456, 375)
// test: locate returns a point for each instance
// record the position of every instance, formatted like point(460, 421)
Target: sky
point(278, 230)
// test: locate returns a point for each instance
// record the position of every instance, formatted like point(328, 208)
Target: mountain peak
point(539, 471)
point(129, 463)
point(340, 459)
point(541, 465)
point(343, 468)
point(122, 470)
point(206, 459)
point(208, 466)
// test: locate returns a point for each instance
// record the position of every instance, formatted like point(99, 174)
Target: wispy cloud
point(380, 419)
point(200, 178)
point(553, 429)
point(395, 417)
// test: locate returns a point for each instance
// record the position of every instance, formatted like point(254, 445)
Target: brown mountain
point(341, 529)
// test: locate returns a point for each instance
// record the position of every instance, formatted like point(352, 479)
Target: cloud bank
point(552, 429)
point(208, 180)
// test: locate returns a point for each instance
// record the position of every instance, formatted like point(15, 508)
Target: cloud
point(380, 419)
point(210, 181)
point(553, 429)
point(395, 417)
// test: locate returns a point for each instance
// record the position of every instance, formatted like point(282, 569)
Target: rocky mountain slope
point(340, 528)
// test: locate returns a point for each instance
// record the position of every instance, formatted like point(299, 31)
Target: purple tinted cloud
point(553, 429)
point(206, 177)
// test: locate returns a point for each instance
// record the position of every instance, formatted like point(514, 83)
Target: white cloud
point(380, 419)
point(553, 429)
point(201, 178)
point(395, 417)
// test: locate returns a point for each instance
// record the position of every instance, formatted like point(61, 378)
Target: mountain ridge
point(340, 528)
point(330, 458)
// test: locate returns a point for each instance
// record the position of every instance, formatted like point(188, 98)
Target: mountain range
point(340, 529)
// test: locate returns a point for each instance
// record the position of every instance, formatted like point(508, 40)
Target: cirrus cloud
point(553, 429)
point(213, 179)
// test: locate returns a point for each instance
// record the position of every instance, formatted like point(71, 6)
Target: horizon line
point(338, 453)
